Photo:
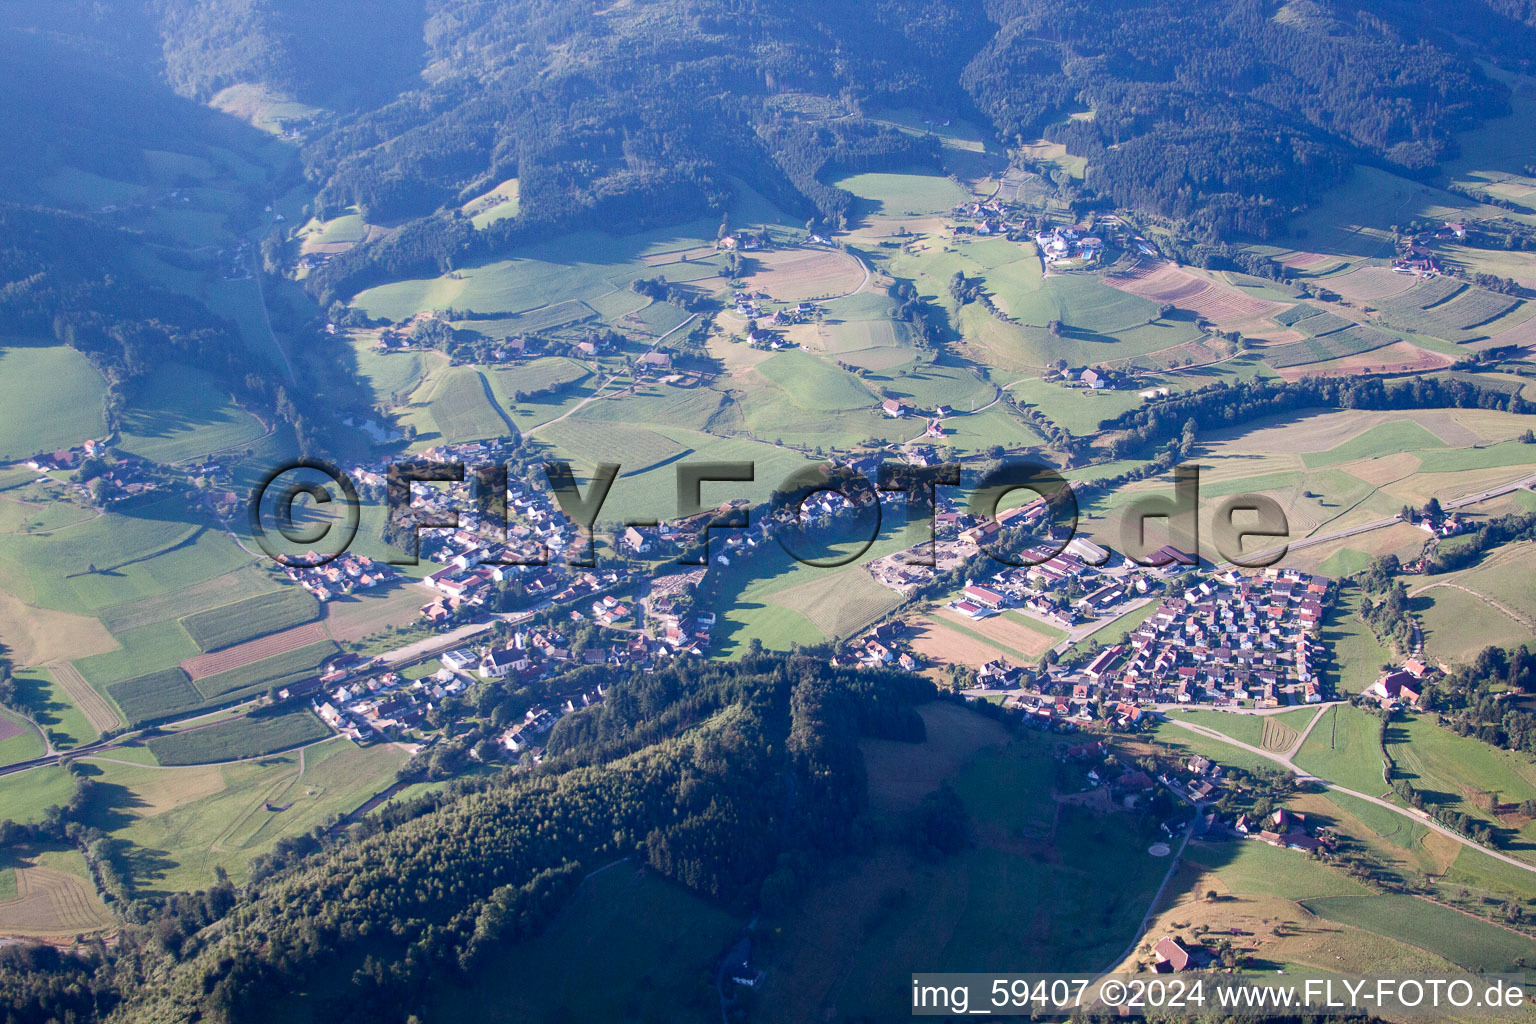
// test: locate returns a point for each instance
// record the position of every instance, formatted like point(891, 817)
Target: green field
point(1461, 774)
point(1473, 944)
point(142, 550)
point(811, 384)
point(1182, 743)
point(25, 796)
point(1399, 435)
point(462, 409)
point(975, 434)
point(1264, 870)
point(547, 374)
point(1493, 456)
point(1344, 748)
point(253, 735)
point(347, 228)
point(145, 649)
point(181, 413)
point(21, 742)
point(649, 489)
point(1443, 615)
point(1266, 731)
point(1505, 576)
point(892, 195)
point(390, 376)
point(155, 695)
point(800, 399)
point(1358, 654)
point(183, 822)
point(278, 670)
point(50, 398)
point(1074, 409)
point(255, 616)
point(498, 204)
point(542, 318)
point(587, 266)
point(782, 602)
point(50, 707)
point(929, 385)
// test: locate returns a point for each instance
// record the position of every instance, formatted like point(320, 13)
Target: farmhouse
point(893, 408)
point(1172, 957)
point(1397, 685)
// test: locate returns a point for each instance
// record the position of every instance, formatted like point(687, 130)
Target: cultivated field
point(285, 661)
point(53, 895)
point(236, 623)
point(1165, 283)
point(947, 637)
point(251, 736)
point(91, 705)
point(1370, 283)
point(156, 695)
point(253, 651)
point(797, 275)
point(1398, 357)
point(1278, 735)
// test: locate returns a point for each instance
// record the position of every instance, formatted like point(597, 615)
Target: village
point(1218, 639)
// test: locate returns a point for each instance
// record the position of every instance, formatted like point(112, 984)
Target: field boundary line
point(91, 704)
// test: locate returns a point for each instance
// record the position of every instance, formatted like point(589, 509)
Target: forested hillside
point(1227, 117)
point(745, 773)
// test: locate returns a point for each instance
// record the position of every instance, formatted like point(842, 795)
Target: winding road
point(1284, 761)
point(1306, 542)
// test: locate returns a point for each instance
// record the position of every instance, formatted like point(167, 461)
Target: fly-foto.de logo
point(313, 505)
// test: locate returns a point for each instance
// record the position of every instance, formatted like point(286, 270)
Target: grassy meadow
point(37, 419)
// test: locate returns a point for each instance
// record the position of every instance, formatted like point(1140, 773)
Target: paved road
point(440, 642)
point(1323, 538)
point(1285, 762)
